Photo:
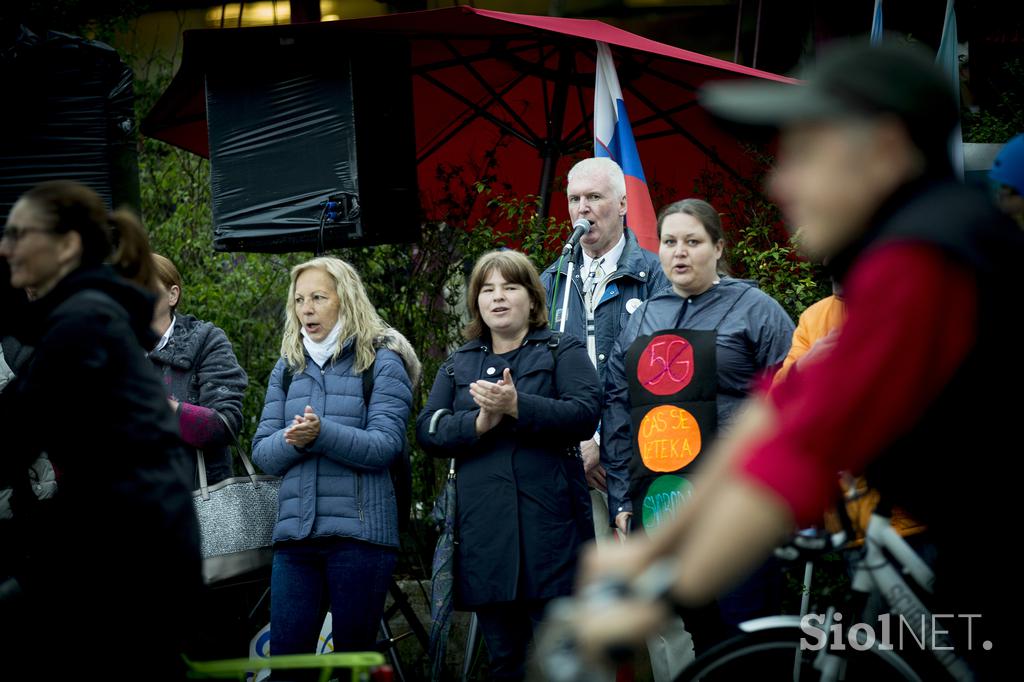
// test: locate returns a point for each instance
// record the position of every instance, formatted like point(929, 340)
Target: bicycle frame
point(875, 572)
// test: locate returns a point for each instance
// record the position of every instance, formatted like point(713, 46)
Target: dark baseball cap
point(852, 79)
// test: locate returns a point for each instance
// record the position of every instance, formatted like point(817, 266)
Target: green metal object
point(358, 663)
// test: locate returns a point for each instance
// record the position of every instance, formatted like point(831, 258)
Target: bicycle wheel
point(774, 654)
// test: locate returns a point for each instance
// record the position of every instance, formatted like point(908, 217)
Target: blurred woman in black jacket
point(112, 561)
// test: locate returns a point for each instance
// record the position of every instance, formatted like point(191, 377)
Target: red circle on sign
point(666, 365)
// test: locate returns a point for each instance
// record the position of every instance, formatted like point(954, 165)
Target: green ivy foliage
point(1003, 120)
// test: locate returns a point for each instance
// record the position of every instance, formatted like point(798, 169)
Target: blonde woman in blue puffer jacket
point(336, 538)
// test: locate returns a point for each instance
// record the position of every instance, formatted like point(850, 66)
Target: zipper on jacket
point(359, 495)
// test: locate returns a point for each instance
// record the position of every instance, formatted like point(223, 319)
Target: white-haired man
point(612, 275)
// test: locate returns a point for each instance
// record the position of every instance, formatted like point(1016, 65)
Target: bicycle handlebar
point(810, 543)
point(556, 647)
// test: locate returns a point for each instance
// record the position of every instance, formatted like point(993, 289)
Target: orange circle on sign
point(669, 438)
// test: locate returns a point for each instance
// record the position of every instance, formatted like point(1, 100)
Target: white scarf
point(322, 351)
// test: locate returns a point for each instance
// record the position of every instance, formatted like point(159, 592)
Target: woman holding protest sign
point(680, 369)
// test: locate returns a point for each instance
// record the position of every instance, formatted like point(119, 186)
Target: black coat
point(120, 530)
point(523, 507)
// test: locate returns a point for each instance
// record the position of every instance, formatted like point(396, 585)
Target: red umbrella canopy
point(507, 99)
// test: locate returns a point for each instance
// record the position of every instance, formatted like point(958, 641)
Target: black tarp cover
point(69, 115)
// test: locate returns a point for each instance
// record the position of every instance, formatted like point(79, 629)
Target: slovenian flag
point(613, 137)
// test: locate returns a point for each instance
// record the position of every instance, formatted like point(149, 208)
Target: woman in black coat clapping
point(520, 399)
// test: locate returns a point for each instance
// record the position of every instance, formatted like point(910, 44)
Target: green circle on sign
point(663, 500)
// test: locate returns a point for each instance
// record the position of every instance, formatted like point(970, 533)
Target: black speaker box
point(69, 115)
point(312, 144)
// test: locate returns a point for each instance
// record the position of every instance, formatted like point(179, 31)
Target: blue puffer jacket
point(339, 485)
point(637, 278)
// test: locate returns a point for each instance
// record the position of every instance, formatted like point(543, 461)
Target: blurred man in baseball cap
point(920, 391)
point(867, 122)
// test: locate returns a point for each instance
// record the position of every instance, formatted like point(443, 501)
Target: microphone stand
point(580, 228)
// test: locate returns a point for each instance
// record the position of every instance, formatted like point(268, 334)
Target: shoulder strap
point(553, 341)
point(368, 383)
point(286, 379)
point(734, 303)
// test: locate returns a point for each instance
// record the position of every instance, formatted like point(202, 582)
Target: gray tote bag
point(236, 521)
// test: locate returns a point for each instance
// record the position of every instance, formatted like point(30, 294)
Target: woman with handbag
point(201, 375)
point(112, 559)
point(336, 538)
point(204, 385)
point(509, 406)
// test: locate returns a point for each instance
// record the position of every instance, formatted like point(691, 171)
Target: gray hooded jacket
point(754, 333)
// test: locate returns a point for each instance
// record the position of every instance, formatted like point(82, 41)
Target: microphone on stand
point(579, 228)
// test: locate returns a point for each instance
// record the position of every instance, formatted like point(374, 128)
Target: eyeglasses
point(14, 234)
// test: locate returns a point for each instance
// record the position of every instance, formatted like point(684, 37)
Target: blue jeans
point(349, 576)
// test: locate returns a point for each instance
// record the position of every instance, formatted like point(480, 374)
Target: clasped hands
point(495, 401)
point(304, 429)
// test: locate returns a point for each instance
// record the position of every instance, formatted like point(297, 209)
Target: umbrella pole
point(556, 120)
point(546, 174)
point(757, 34)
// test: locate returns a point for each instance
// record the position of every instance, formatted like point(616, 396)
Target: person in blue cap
point(1008, 173)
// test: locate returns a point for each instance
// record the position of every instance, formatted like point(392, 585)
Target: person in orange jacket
point(815, 334)
point(815, 324)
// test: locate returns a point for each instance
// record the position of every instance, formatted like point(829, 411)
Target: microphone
point(579, 228)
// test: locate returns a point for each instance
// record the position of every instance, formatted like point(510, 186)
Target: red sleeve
point(912, 313)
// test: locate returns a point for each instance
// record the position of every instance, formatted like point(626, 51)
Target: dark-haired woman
point(201, 375)
point(680, 369)
point(513, 401)
point(111, 562)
